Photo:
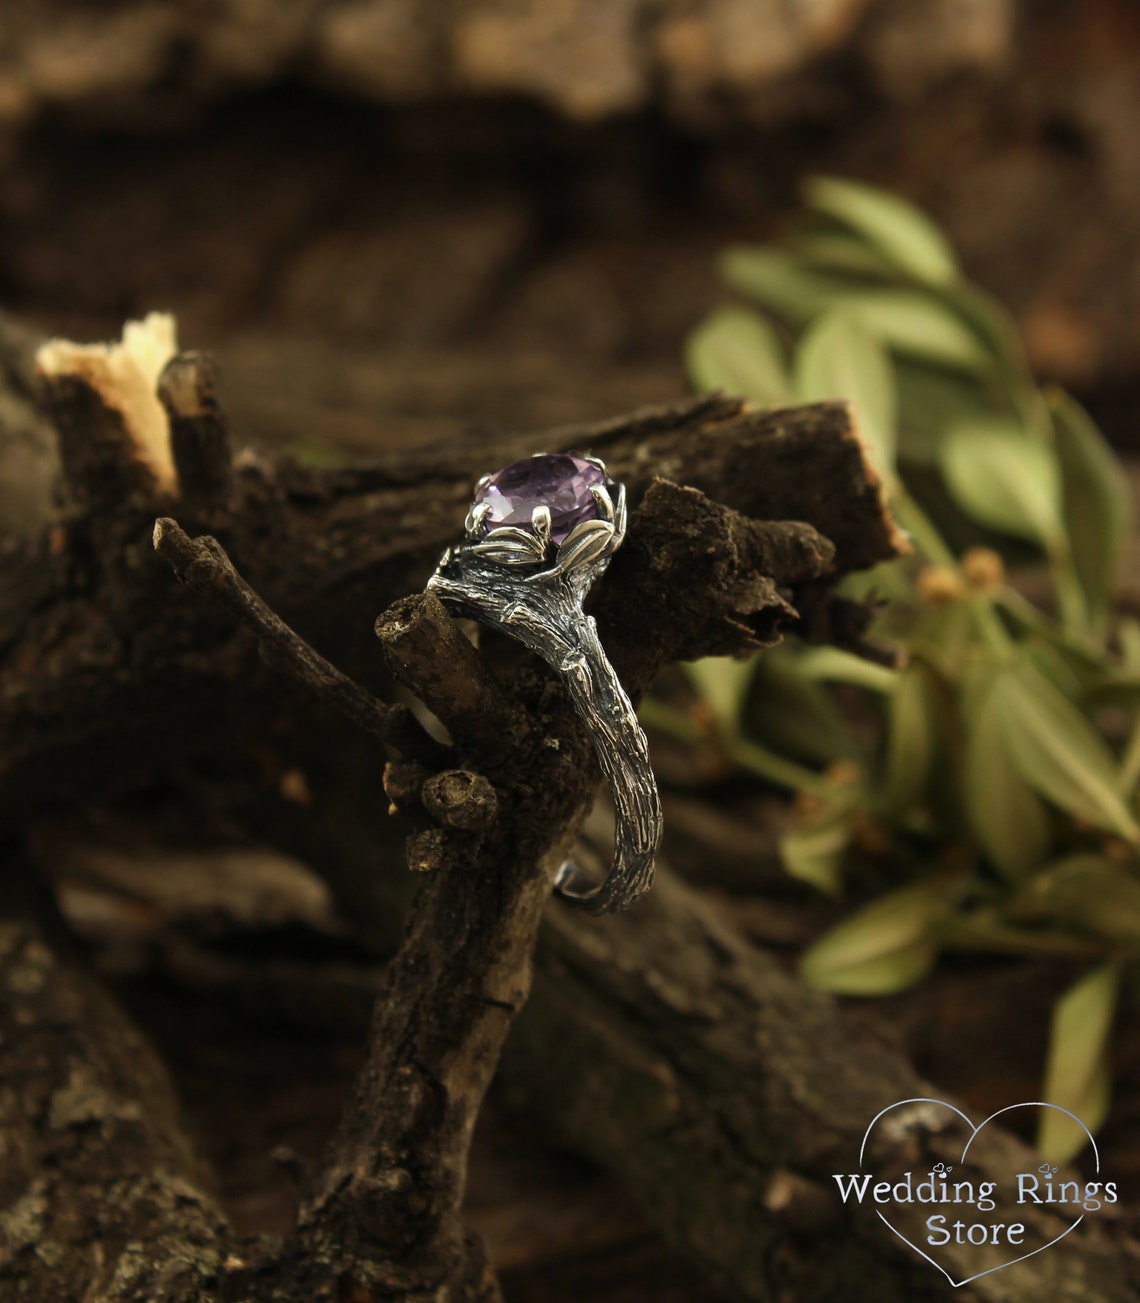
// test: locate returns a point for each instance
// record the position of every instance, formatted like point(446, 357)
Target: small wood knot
point(403, 780)
point(461, 799)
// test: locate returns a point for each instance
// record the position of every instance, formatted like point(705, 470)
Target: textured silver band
point(507, 579)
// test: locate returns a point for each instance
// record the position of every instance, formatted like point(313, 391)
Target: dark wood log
point(100, 640)
point(103, 1194)
point(382, 1214)
point(775, 507)
point(725, 1095)
point(386, 1203)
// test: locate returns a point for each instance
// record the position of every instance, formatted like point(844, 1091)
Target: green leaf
point(930, 398)
point(912, 738)
point(736, 350)
point(976, 677)
point(912, 322)
point(722, 683)
point(1077, 1071)
point(1098, 506)
point(946, 638)
point(781, 281)
point(839, 358)
point(1085, 662)
point(833, 664)
point(1007, 817)
point(795, 713)
point(877, 974)
point(836, 250)
point(1054, 665)
point(1003, 478)
point(815, 854)
point(1058, 752)
point(887, 946)
point(1129, 635)
point(986, 929)
point(814, 849)
point(893, 227)
point(887, 581)
point(996, 325)
point(1089, 892)
point(916, 325)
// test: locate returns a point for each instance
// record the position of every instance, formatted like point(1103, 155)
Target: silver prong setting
point(620, 515)
point(605, 503)
point(475, 518)
point(482, 482)
point(580, 557)
point(541, 522)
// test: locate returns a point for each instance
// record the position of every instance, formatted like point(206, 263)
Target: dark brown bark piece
point(101, 1193)
point(199, 436)
point(98, 639)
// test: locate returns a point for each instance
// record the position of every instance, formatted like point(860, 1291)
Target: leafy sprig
point(992, 773)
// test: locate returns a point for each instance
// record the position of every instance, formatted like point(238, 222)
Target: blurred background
point(398, 221)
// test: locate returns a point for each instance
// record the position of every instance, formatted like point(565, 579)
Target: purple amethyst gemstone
point(554, 480)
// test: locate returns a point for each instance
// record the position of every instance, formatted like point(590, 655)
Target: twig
point(392, 1182)
point(426, 650)
point(202, 564)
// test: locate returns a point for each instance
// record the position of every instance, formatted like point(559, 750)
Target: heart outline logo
point(957, 1284)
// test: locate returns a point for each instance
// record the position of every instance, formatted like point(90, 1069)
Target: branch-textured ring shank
point(544, 612)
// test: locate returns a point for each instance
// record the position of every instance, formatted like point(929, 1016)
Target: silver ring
point(538, 534)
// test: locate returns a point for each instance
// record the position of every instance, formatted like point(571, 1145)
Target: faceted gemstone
point(554, 480)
